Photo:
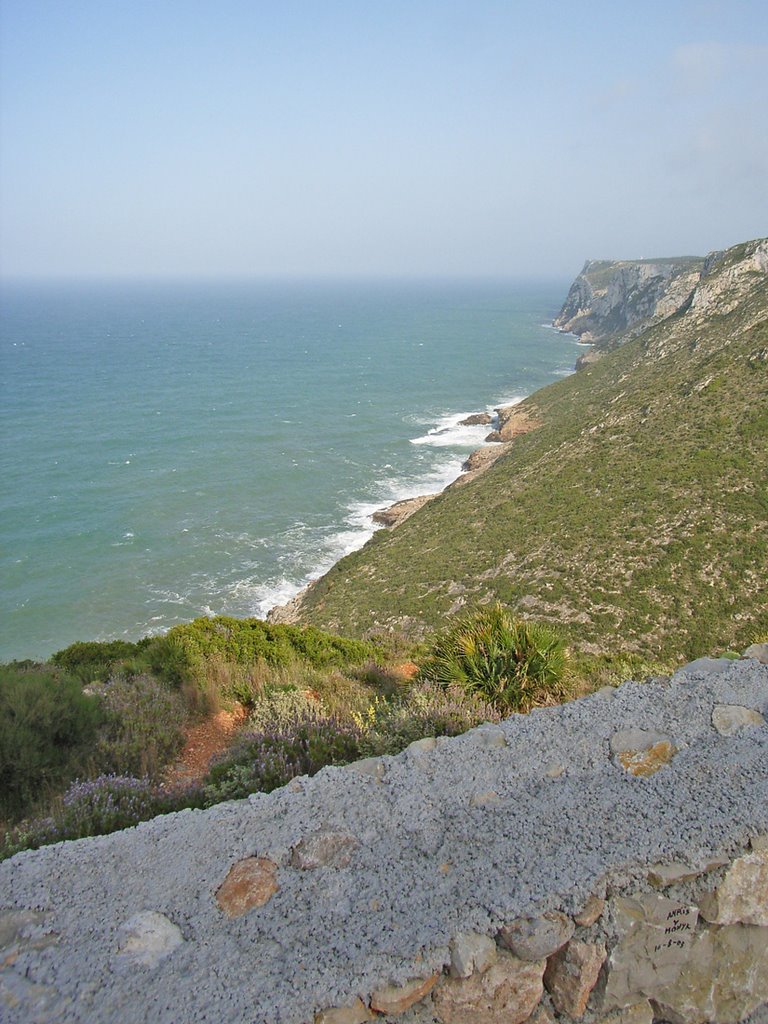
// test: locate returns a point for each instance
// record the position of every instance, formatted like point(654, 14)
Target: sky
point(243, 138)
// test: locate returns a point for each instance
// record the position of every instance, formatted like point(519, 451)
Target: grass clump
point(513, 664)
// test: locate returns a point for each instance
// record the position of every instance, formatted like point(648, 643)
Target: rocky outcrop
point(610, 297)
point(401, 510)
point(395, 890)
point(512, 421)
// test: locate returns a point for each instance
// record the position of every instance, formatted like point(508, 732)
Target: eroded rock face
point(250, 883)
point(507, 993)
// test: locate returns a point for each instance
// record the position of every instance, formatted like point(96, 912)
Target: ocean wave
point(450, 432)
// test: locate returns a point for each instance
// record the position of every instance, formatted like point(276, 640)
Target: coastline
point(508, 423)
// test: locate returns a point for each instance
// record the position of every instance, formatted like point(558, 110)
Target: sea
point(176, 449)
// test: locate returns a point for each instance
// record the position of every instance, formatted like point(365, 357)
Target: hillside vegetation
point(634, 517)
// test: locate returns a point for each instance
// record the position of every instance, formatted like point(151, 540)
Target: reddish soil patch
point(408, 669)
point(204, 741)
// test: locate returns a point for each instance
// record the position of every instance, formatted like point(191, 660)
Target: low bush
point(513, 664)
point(48, 727)
point(208, 651)
point(428, 710)
point(298, 742)
point(144, 727)
point(95, 660)
point(97, 807)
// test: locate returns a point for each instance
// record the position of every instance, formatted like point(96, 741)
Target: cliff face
point(610, 297)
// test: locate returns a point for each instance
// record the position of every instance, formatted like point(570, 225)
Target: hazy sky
point(240, 137)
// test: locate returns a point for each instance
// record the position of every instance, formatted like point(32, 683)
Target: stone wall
point(604, 861)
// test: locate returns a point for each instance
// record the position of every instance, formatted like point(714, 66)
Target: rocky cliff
point(608, 298)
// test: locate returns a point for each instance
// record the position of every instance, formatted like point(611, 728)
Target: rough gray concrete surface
point(503, 822)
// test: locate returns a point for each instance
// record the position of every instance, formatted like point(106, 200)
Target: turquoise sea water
point(172, 450)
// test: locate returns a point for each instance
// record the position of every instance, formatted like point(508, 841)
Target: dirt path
point(204, 741)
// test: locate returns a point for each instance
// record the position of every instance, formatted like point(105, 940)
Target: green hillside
point(635, 516)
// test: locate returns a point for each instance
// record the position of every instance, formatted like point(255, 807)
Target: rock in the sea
point(477, 419)
point(401, 510)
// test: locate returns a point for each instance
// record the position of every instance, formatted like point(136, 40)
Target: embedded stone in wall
point(728, 719)
point(324, 849)
point(592, 911)
point(662, 875)
point(251, 883)
point(571, 975)
point(742, 898)
point(757, 651)
point(507, 993)
point(642, 752)
point(724, 979)
point(656, 941)
point(397, 998)
point(638, 1013)
point(355, 1013)
point(471, 952)
point(531, 938)
point(147, 938)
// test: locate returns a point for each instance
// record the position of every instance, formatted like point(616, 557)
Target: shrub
point(144, 726)
point(207, 650)
point(105, 804)
point(93, 660)
point(96, 807)
point(514, 664)
point(47, 730)
point(428, 710)
point(264, 758)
